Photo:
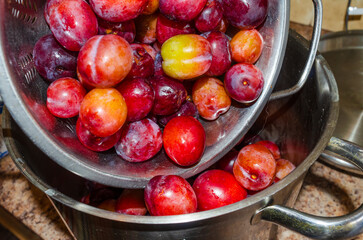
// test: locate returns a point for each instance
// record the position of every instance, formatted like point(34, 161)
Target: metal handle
point(351, 11)
point(343, 227)
point(339, 160)
point(318, 16)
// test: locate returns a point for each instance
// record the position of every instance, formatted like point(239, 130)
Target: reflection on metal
point(343, 227)
point(355, 11)
point(318, 18)
point(344, 53)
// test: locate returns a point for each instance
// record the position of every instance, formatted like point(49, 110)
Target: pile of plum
point(256, 166)
point(139, 74)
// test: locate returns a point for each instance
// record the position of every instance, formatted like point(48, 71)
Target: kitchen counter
point(325, 192)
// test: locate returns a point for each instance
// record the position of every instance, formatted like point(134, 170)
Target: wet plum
point(131, 202)
point(283, 168)
point(181, 10)
point(255, 167)
point(104, 61)
point(244, 82)
point(143, 63)
point(127, 29)
point(210, 98)
point(146, 28)
point(158, 68)
point(103, 111)
point(250, 14)
point(52, 61)
point(186, 109)
point(64, 97)
point(247, 46)
point(150, 50)
point(169, 195)
point(151, 7)
point(274, 149)
point(139, 141)
point(118, 11)
point(217, 188)
point(93, 142)
point(227, 161)
point(169, 95)
point(186, 56)
point(210, 17)
point(139, 98)
point(221, 53)
point(184, 140)
point(72, 22)
point(223, 25)
point(166, 28)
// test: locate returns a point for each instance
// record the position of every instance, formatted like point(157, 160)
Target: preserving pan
point(24, 94)
point(302, 125)
point(343, 51)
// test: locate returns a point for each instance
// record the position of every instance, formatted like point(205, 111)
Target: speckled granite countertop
point(325, 192)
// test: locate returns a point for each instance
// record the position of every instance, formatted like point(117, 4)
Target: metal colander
point(24, 94)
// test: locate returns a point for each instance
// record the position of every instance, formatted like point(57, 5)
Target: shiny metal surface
point(318, 15)
point(344, 53)
point(23, 92)
point(284, 121)
point(344, 227)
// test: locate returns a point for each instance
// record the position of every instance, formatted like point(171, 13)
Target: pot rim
point(263, 196)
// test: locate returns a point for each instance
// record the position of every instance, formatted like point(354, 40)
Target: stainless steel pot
point(301, 124)
point(344, 52)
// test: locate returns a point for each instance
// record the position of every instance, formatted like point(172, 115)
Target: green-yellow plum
point(186, 56)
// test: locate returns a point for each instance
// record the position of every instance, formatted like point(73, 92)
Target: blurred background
point(302, 12)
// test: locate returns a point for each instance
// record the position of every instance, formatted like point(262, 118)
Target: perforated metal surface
point(24, 93)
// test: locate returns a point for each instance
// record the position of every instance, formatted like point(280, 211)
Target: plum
point(64, 97)
point(184, 140)
point(250, 13)
point(217, 188)
point(72, 22)
point(244, 82)
point(255, 167)
point(186, 56)
point(169, 195)
point(52, 61)
point(103, 111)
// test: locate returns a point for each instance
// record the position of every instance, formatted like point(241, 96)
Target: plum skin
point(184, 140)
point(169, 195)
point(139, 141)
point(72, 22)
point(52, 61)
point(64, 97)
point(210, 98)
point(181, 10)
point(217, 188)
point(255, 167)
point(103, 111)
point(104, 61)
point(244, 82)
point(186, 56)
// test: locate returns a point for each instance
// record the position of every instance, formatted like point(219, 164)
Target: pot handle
point(316, 227)
point(338, 160)
point(318, 16)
